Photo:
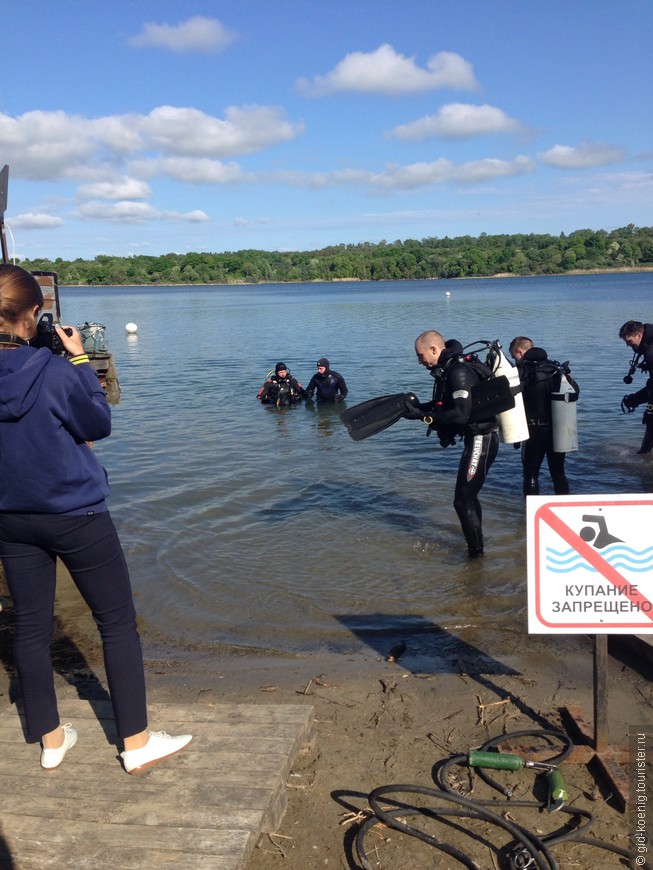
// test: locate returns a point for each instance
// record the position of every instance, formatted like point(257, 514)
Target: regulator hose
point(528, 851)
point(474, 809)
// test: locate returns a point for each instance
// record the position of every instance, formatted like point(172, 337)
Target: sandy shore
point(380, 722)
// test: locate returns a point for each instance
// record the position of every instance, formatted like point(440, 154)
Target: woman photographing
point(51, 406)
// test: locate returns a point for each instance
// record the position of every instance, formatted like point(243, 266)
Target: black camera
point(46, 335)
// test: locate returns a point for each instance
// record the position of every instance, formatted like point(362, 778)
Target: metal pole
point(600, 692)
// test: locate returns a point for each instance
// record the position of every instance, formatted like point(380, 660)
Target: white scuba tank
point(513, 426)
point(563, 417)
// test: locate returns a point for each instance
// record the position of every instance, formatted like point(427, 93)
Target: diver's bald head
point(428, 347)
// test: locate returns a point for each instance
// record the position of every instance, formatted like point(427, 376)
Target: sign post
point(590, 572)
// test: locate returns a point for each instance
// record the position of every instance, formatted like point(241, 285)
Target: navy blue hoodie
point(49, 408)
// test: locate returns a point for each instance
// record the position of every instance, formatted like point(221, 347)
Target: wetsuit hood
point(647, 338)
point(452, 349)
point(535, 354)
point(280, 367)
point(21, 377)
point(323, 361)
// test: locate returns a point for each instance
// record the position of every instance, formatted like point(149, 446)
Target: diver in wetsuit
point(449, 415)
point(639, 337)
point(540, 377)
point(281, 389)
point(329, 384)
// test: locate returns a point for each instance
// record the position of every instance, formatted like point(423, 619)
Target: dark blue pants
point(90, 549)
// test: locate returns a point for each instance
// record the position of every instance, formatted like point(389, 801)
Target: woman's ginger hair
point(19, 293)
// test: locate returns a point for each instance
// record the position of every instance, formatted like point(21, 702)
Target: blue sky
point(148, 127)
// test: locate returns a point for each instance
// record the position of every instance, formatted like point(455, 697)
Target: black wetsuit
point(330, 386)
point(645, 348)
point(281, 391)
point(540, 377)
point(451, 409)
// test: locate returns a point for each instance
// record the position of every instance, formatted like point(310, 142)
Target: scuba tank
point(563, 416)
point(513, 426)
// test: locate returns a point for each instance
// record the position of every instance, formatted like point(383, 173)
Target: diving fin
point(375, 415)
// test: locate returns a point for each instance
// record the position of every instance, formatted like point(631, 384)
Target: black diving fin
point(375, 415)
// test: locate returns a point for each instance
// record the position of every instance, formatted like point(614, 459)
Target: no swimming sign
point(590, 564)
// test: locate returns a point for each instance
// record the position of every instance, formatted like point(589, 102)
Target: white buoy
point(448, 293)
point(131, 328)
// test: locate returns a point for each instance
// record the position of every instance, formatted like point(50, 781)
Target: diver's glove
point(414, 410)
point(338, 398)
point(446, 439)
point(647, 416)
point(629, 403)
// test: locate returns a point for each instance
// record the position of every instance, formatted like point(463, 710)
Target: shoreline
point(622, 270)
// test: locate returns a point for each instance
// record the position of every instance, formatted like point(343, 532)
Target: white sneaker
point(159, 746)
point(51, 758)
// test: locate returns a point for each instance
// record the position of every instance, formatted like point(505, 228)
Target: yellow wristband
point(80, 358)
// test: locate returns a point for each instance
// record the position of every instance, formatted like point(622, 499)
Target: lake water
point(254, 528)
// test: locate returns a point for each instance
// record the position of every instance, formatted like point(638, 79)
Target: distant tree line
point(461, 257)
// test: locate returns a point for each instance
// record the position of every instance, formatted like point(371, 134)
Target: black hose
point(474, 809)
point(528, 849)
point(370, 822)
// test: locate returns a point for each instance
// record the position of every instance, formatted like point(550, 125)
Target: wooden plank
point(120, 858)
point(236, 796)
point(204, 809)
point(37, 844)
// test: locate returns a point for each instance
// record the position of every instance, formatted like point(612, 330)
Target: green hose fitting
point(504, 761)
point(558, 794)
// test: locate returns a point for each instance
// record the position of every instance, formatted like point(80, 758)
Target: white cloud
point(124, 188)
point(458, 121)
point(191, 170)
point(385, 71)
point(197, 34)
point(411, 176)
point(194, 133)
point(30, 220)
point(588, 155)
point(53, 145)
point(40, 145)
point(134, 213)
point(478, 171)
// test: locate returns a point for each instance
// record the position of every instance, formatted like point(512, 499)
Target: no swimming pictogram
point(590, 564)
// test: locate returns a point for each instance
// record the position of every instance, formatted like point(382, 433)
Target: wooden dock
point(203, 809)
